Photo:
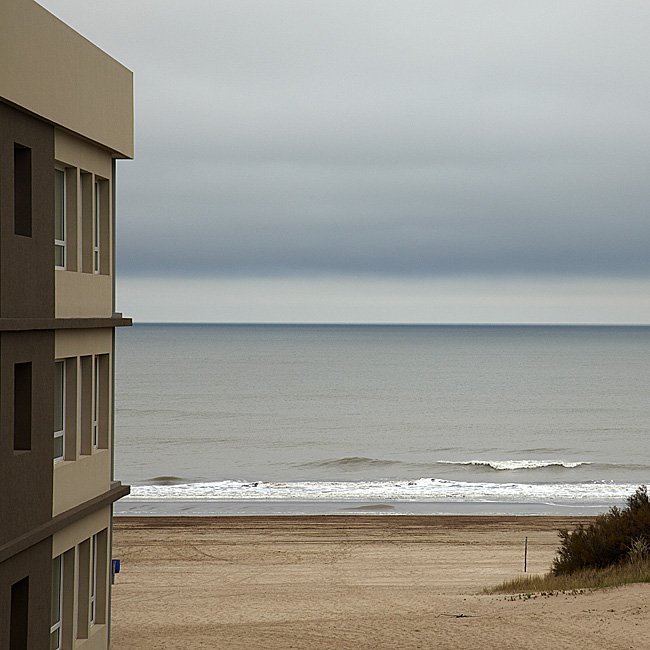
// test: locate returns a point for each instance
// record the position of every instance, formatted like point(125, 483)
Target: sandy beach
point(355, 582)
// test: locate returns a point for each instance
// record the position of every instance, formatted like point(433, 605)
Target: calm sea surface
point(242, 419)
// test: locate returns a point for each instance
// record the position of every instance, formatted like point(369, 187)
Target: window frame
point(96, 389)
point(96, 228)
point(61, 243)
point(56, 627)
point(60, 433)
point(92, 600)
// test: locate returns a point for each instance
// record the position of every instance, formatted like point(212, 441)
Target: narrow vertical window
point(23, 406)
point(59, 218)
point(59, 410)
point(57, 603)
point(86, 411)
point(19, 615)
point(97, 385)
point(99, 578)
point(22, 190)
point(86, 207)
point(102, 400)
point(93, 579)
point(98, 212)
point(83, 588)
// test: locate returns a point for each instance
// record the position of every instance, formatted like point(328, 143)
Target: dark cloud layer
point(403, 138)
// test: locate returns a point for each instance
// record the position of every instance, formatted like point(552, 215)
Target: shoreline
point(355, 583)
point(132, 507)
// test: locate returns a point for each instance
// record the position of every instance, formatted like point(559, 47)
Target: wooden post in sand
point(525, 554)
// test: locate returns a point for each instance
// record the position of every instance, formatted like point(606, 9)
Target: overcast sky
point(371, 161)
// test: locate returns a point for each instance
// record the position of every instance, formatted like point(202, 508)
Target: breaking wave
point(362, 462)
point(501, 465)
point(423, 489)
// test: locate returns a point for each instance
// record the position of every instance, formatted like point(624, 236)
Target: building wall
point(74, 544)
point(66, 114)
point(71, 82)
point(86, 469)
point(83, 288)
point(26, 474)
point(26, 262)
point(35, 566)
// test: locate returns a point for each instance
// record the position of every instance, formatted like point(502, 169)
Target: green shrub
point(611, 538)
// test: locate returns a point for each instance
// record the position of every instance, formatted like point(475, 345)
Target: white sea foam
point(424, 489)
point(516, 464)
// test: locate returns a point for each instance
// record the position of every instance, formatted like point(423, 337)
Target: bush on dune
point(610, 539)
point(611, 551)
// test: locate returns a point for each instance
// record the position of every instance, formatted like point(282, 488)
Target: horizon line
point(392, 324)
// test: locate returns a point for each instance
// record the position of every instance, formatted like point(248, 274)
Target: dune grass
point(630, 571)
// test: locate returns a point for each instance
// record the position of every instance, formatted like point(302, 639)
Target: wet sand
point(355, 582)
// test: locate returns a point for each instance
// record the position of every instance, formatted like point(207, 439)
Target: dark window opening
point(19, 612)
point(22, 190)
point(23, 406)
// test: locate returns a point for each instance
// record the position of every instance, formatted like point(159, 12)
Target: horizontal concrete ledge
point(63, 520)
point(23, 324)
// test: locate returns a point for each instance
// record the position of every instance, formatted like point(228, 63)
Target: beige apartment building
point(66, 117)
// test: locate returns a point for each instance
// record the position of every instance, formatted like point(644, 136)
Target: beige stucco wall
point(84, 476)
point(75, 343)
point(84, 163)
point(80, 530)
point(73, 151)
point(97, 640)
point(72, 82)
point(68, 539)
point(83, 295)
point(76, 481)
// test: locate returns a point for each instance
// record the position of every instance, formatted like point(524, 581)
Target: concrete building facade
point(66, 117)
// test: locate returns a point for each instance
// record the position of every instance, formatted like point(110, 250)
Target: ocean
point(291, 419)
